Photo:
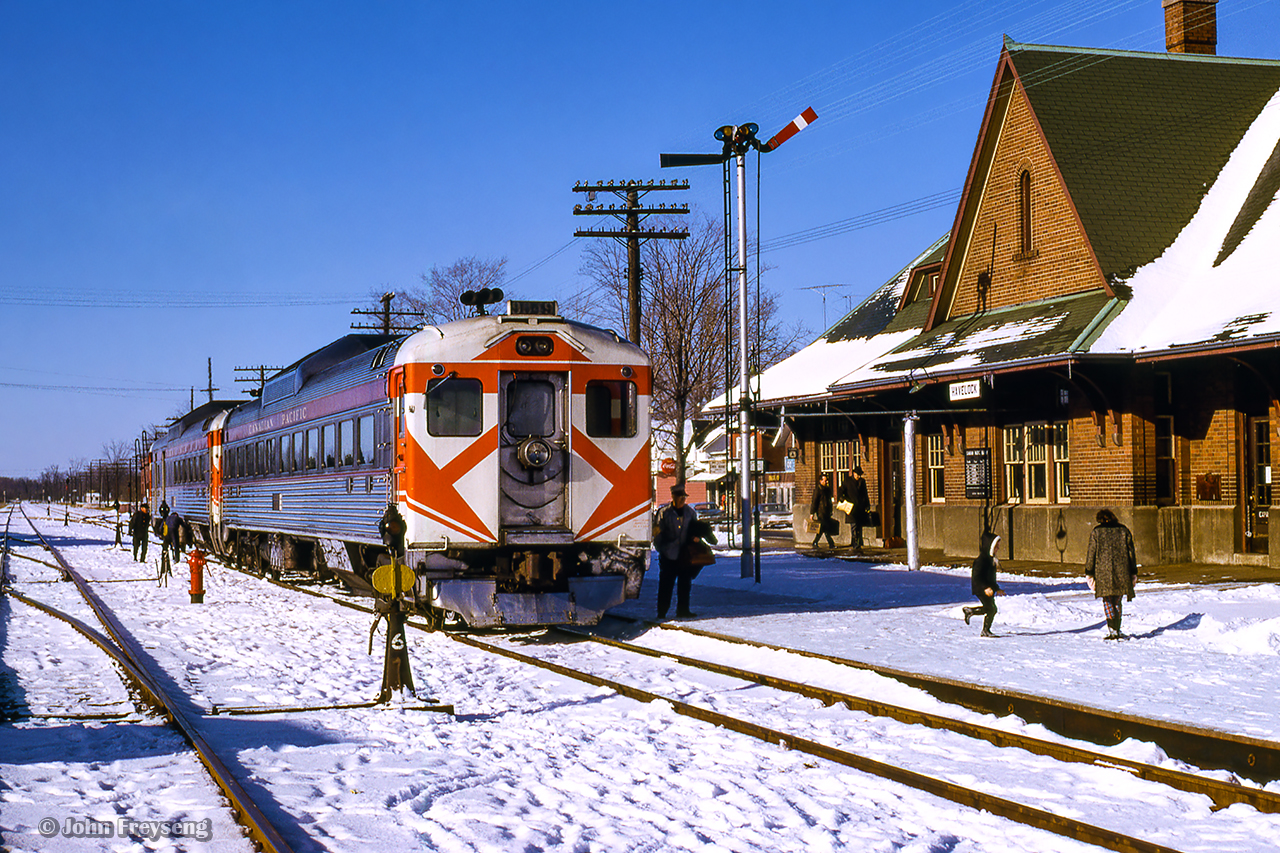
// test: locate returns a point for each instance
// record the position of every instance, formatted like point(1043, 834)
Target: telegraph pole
point(209, 389)
point(257, 375)
point(630, 214)
point(387, 326)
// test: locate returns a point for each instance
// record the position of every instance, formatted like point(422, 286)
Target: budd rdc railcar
point(506, 458)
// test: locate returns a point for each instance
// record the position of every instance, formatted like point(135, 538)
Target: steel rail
point(1017, 812)
point(133, 676)
point(1252, 758)
point(1222, 793)
point(247, 812)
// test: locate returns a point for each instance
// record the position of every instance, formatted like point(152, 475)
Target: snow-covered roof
point(1218, 281)
point(1213, 283)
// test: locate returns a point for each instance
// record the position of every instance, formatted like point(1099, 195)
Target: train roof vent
point(532, 308)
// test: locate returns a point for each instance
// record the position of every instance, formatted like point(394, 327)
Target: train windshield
point(453, 406)
point(531, 408)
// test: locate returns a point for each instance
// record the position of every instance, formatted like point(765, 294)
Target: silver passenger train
point(505, 458)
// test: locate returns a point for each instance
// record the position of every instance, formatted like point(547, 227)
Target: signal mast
point(738, 140)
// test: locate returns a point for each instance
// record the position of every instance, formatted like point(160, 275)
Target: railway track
point(1222, 793)
point(134, 664)
point(541, 651)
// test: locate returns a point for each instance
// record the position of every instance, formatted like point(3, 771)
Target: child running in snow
point(984, 582)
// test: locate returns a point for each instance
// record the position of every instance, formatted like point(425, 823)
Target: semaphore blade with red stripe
point(801, 121)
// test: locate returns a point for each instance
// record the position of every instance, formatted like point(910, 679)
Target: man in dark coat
point(173, 534)
point(1110, 567)
point(672, 531)
point(140, 531)
point(854, 490)
point(820, 511)
point(984, 584)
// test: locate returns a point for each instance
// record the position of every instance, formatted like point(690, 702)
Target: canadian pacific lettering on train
point(512, 450)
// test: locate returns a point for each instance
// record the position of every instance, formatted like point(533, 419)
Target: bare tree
point(684, 325)
point(436, 299)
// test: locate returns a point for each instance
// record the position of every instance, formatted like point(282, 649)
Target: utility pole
point(387, 326)
point(209, 388)
point(630, 214)
point(257, 375)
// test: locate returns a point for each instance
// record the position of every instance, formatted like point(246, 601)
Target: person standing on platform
point(1111, 567)
point(820, 511)
point(671, 534)
point(854, 491)
point(140, 532)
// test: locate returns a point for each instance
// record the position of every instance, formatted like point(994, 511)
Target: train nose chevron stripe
point(435, 487)
point(624, 484)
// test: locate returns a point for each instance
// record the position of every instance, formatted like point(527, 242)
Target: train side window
point(611, 408)
point(313, 448)
point(329, 445)
point(453, 406)
point(364, 447)
point(299, 452)
point(531, 407)
point(347, 441)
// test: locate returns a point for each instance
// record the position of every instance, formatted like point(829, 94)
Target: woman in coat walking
point(1111, 567)
point(984, 583)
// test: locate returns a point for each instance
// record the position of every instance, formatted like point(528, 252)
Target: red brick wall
point(1061, 261)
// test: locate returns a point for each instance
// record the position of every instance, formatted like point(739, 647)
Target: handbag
point(698, 554)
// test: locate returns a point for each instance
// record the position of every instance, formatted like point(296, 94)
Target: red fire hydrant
point(195, 559)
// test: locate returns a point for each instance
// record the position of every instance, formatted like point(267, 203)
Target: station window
point(1014, 473)
point(453, 407)
point(611, 408)
point(1031, 452)
point(1166, 463)
point(935, 459)
point(1061, 461)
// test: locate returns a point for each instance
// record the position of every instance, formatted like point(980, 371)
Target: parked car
point(709, 512)
point(775, 515)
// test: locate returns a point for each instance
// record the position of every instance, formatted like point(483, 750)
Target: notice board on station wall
point(977, 474)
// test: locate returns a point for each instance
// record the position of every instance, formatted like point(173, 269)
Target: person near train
point(673, 531)
point(173, 524)
point(820, 512)
point(140, 532)
point(1110, 568)
point(984, 584)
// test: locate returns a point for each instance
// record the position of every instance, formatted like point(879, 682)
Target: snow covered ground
point(538, 762)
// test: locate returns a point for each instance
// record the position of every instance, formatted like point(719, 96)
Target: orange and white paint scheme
point(521, 431)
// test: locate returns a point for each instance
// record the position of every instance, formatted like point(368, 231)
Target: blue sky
point(184, 181)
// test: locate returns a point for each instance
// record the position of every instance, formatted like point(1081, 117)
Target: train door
point(400, 433)
point(1257, 485)
point(533, 451)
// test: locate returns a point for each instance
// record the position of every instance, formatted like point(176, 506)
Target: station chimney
point(1191, 26)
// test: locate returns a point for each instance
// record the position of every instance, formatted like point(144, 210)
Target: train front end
point(522, 467)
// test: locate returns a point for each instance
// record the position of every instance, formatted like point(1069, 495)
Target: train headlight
point(533, 453)
point(534, 345)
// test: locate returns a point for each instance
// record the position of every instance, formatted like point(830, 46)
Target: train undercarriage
point(458, 588)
